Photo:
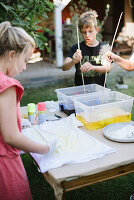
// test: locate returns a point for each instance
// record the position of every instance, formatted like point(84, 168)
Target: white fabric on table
point(124, 132)
point(73, 145)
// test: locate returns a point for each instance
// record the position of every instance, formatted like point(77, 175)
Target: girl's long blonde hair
point(14, 38)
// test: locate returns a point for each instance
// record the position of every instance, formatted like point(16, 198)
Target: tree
point(28, 15)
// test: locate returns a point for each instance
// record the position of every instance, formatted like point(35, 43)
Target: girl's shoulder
point(7, 82)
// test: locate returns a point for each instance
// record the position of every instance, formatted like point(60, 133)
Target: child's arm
point(70, 62)
point(124, 63)
point(102, 68)
point(9, 128)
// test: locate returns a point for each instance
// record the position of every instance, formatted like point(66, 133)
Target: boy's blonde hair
point(14, 38)
point(88, 19)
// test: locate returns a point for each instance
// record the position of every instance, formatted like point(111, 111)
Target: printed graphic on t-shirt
point(94, 60)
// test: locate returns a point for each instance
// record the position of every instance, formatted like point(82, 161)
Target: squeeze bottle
point(31, 113)
point(41, 112)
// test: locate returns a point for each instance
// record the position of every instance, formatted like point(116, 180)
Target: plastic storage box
point(66, 95)
point(96, 111)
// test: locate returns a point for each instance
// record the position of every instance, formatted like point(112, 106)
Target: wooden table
point(74, 176)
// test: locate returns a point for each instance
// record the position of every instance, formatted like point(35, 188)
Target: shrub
point(28, 15)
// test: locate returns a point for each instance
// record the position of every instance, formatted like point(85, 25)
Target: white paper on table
point(73, 145)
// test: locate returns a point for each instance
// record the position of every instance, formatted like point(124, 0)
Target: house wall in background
point(116, 7)
point(128, 12)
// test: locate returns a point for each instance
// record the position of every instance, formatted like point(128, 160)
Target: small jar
point(31, 113)
point(41, 112)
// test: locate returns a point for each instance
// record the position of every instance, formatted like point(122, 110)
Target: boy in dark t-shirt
point(93, 66)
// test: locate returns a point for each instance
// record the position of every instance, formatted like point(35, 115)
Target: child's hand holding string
point(110, 57)
point(77, 56)
point(87, 66)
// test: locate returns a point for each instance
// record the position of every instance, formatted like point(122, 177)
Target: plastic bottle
point(41, 112)
point(31, 113)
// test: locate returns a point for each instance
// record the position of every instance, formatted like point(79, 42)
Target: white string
point(111, 50)
point(116, 30)
point(80, 60)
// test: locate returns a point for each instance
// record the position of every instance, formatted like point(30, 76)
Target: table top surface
point(124, 155)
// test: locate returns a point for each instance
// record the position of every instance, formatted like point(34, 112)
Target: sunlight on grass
point(46, 93)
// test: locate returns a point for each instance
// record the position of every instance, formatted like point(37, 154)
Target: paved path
point(43, 73)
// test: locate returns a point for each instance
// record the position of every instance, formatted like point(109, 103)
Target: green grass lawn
point(46, 93)
point(116, 189)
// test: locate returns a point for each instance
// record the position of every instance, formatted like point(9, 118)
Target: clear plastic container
point(95, 112)
point(66, 95)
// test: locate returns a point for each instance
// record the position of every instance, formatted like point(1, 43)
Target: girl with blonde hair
point(16, 48)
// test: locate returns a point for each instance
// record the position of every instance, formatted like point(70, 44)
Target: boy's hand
point(87, 66)
point(77, 56)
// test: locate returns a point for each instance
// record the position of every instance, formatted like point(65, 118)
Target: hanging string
point(116, 31)
point(111, 50)
point(80, 60)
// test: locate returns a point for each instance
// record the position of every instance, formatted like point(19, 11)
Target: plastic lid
point(41, 106)
point(31, 107)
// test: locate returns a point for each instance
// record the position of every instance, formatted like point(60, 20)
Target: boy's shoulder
point(75, 46)
point(105, 45)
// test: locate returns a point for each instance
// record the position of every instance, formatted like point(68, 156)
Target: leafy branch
point(28, 15)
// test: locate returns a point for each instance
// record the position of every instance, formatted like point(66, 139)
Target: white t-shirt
point(132, 58)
